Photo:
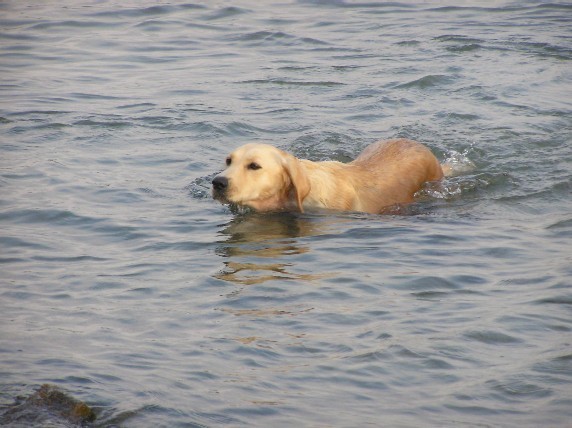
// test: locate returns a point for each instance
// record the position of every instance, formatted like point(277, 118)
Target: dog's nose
point(220, 183)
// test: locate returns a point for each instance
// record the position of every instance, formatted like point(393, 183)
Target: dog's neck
point(327, 188)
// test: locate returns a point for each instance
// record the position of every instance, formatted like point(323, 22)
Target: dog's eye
point(254, 166)
point(228, 161)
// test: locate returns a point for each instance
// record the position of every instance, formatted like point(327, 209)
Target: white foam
point(457, 163)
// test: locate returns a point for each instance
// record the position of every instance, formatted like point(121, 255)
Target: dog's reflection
point(263, 247)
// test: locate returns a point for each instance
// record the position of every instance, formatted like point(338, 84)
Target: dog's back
point(391, 172)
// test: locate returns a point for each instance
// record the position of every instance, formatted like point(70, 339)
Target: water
point(126, 285)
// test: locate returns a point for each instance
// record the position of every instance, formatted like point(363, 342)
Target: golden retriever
point(385, 174)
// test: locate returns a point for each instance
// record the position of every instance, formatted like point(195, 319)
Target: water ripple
point(492, 337)
point(124, 282)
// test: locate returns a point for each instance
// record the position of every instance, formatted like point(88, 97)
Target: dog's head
point(262, 177)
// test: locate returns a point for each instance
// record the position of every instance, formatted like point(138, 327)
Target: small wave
point(325, 145)
point(358, 5)
point(556, 300)
point(464, 48)
point(95, 97)
point(515, 388)
point(62, 259)
point(429, 284)
point(19, 37)
point(114, 124)
point(409, 43)
point(492, 337)
point(446, 9)
point(202, 129)
point(37, 113)
point(283, 82)
point(428, 81)
point(65, 218)
point(544, 50)
point(264, 36)
point(242, 129)
point(13, 242)
point(66, 25)
point(120, 14)
point(157, 25)
point(277, 38)
point(52, 216)
point(142, 106)
point(461, 117)
point(560, 366)
point(460, 44)
point(564, 225)
point(226, 12)
point(458, 38)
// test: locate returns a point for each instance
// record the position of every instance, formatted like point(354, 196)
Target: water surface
point(125, 284)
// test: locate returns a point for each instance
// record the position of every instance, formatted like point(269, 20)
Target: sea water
point(124, 284)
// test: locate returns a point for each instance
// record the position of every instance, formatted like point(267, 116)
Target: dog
point(386, 174)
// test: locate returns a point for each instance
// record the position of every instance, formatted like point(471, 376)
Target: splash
point(200, 188)
point(458, 163)
point(456, 167)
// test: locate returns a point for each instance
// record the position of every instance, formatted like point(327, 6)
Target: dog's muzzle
point(220, 186)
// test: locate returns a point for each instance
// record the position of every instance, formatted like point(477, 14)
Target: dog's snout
point(220, 183)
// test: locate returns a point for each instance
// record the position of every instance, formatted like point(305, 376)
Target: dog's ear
point(297, 174)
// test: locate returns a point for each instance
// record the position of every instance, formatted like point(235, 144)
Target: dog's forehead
point(256, 150)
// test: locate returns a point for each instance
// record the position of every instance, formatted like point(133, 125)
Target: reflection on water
point(258, 246)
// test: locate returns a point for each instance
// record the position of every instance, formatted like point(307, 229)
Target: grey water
point(123, 283)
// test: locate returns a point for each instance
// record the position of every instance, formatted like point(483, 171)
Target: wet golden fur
point(386, 173)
